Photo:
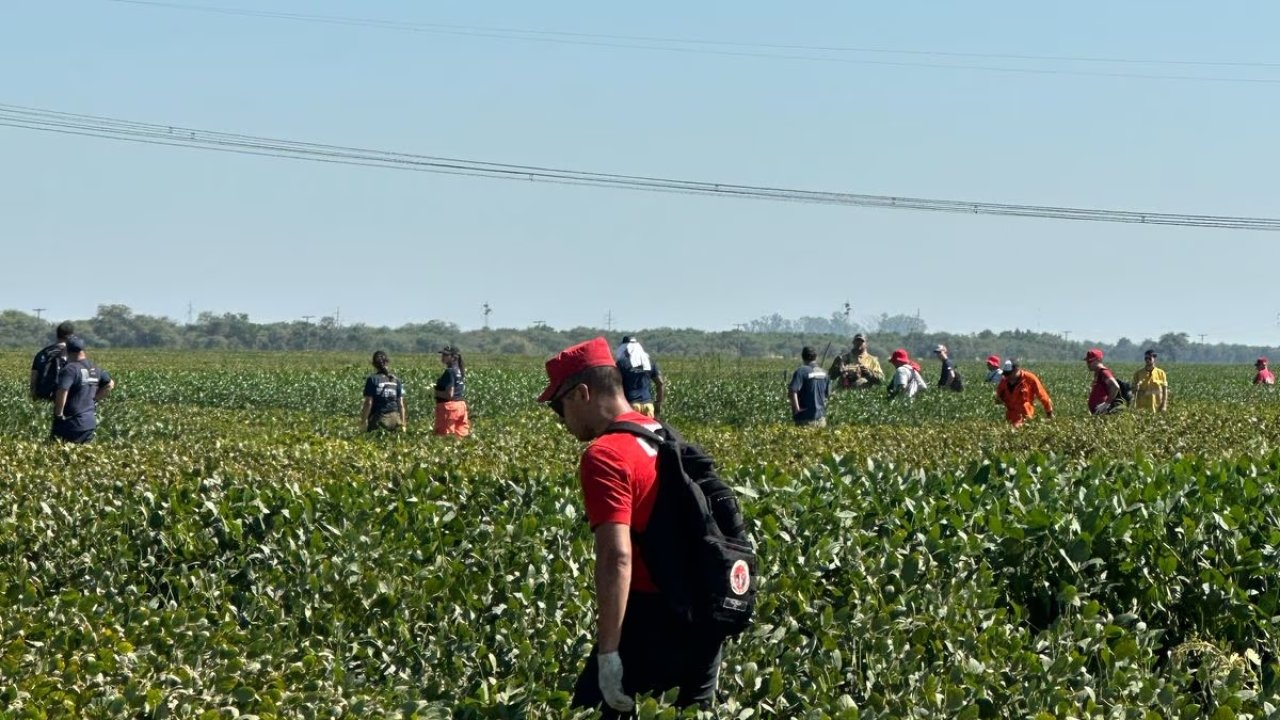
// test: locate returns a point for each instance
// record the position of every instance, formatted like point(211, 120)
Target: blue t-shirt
point(386, 391)
point(948, 373)
point(81, 379)
point(812, 386)
point(637, 383)
point(452, 378)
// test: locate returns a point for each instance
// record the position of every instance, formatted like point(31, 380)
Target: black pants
point(72, 436)
point(659, 652)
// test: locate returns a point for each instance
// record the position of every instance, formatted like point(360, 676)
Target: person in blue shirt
point(81, 385)
point(452, 417)
point(640, 378)
point(383, 407)
point(809, 389)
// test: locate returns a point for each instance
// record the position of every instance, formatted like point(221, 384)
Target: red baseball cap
point(1092, 355)
point(993, 361)
point(900, 356)
point(573, 360)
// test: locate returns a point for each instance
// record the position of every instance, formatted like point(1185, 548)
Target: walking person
point(383, 407)
point(1104, 396)
point(950, 378)
point(1018, 391)
point(81, 386)
point(451, 395)
point(642, 382)
point(1150, 386)
point(808, 391)
point(641, 644)
point(1264, 375)
point(857, 369)
point(995, 372)
point(47, 363)
point(906, 381)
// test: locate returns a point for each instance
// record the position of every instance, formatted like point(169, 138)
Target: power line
point(63, 123)
point(708, 47)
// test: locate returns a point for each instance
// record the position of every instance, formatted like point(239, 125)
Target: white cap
point(1008, 366)
point(940, 348)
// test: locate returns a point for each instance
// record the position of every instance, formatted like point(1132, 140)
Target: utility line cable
point(64, 123)
point(706, 47)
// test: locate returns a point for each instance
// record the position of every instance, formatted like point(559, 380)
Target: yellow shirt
point(1146, 388)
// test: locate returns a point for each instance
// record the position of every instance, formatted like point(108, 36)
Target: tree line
point(117, 326)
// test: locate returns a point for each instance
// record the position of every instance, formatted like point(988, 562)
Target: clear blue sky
point(157, 228)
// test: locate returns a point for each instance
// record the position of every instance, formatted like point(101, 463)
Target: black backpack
point(696, 545)
point(1126, 391)
point(48, 363)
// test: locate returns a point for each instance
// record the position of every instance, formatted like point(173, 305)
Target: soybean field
point(232, 545)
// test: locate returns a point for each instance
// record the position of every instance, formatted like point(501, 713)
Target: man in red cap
point(1104, 396)
point(995, 372)
point(641, 645)
point(1264, 376)
point(906, 381)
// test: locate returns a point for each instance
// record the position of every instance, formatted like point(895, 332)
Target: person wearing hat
point(641, 645)
point(808, 391)
point(640, 377)
point(950, 378)
point(995, 372)
point(858, 368)
point(1018, 391)
point(1150, 386)
point(1104, 395)
point(906, 380)
point(47, 363)
point(81, 385)
point(451, 395)
point(383, 407)
point(1264, 376)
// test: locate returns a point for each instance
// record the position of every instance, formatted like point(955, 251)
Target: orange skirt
point(451, 418)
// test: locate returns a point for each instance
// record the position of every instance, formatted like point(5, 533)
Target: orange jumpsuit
point(1019, 400)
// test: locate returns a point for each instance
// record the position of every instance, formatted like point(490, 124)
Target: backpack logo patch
point(740, 578)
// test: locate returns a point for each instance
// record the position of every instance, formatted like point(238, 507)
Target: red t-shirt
point(1100, 391)
point(1264, 377)
point(619, 474)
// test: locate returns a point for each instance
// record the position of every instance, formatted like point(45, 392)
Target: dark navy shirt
point(812, 386)
point(81, 379)
point(452, 377)
point(948, 372)
point(386, 391)
point(637, 383)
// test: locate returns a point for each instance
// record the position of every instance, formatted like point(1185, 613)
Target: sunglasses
point(557, 403)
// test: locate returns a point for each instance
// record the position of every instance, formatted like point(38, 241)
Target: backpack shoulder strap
point(641, 431)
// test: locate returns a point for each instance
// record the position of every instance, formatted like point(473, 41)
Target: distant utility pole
point(487, 312)
point(307, 319)
point(337, 317)
point(1066, 334)
point(1202, 338)
point(37, 311)
point(608, 321)
point(190, 312)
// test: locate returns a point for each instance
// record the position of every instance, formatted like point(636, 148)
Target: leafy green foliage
point(232, 546)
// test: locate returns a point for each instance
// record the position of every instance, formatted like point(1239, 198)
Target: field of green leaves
point(232, 546)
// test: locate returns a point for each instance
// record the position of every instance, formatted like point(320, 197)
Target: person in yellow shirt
point(1150, 386)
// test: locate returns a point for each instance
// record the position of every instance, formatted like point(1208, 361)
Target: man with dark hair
point(858, 368)
point(47, 363)
point(1150, 385)
point(81, 385)
point(808, 391)
point(641, 644)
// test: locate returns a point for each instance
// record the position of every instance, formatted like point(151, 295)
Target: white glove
point(610, 665)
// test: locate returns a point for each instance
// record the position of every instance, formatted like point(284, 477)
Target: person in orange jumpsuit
point(1018, 391)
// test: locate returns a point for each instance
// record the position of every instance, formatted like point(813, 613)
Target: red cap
point(993, 361)
point(1093, 355)
point(900, 357)
point(575, 359)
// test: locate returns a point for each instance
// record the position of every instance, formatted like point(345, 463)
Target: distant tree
point(1173, 344)
point(901, 325)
